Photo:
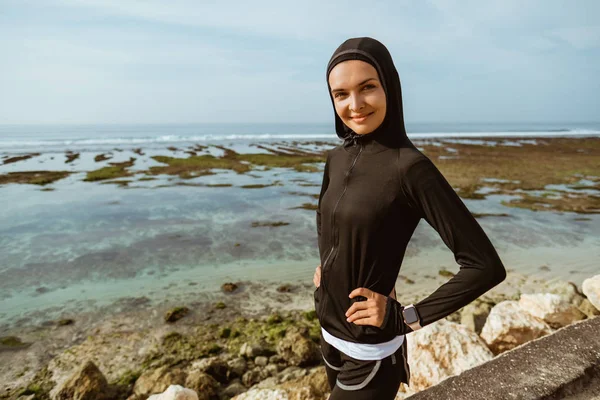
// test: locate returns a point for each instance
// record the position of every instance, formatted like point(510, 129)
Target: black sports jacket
point(376, 188)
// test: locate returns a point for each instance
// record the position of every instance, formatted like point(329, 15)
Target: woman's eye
point(338, 94)
point(368, 86)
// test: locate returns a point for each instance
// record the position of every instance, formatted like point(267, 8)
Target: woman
point(376, 187)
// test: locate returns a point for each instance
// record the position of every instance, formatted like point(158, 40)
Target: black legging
point(354, 379)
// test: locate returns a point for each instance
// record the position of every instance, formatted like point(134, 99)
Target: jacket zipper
point(335, 208)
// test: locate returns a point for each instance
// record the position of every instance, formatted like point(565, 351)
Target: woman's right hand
point(317, 276)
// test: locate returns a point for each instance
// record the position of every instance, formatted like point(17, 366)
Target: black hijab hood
point(391, 132)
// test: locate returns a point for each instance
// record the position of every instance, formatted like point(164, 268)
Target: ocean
point(22, 138)
point(86, 244)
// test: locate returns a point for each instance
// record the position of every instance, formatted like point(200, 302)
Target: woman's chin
point(361, 129)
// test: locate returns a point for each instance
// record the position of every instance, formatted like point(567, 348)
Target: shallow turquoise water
point(86, 244)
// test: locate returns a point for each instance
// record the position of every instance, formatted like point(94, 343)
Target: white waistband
point(364, 351)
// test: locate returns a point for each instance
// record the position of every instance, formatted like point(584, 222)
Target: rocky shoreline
point(223, 349)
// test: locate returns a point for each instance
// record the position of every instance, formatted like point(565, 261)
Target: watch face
point(410, 315)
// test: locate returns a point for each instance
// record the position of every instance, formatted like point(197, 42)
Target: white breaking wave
point(160, 139)
point(536, 134)
point(174, 139)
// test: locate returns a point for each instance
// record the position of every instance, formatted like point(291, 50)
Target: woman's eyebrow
point(362, 83)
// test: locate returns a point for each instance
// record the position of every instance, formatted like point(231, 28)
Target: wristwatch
point(411, 317)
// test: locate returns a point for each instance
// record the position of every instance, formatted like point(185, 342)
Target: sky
point(194, 61)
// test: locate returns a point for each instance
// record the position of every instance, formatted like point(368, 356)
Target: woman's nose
point(356, 103)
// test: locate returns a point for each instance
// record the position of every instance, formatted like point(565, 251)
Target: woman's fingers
point(359, 314)
point(317, 276)
point(367, 321)
point(359, 305)
point(369, 312)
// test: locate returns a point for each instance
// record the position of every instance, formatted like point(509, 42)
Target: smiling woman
point(376, 188)
point(359, 98)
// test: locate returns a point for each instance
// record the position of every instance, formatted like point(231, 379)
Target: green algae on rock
point(306, 206)
point(229, 287)
point(33, 177)
point(225, 333)
point(71, 157)
point(40, 386)
point(19, 158)
point(101, 157)
point(285, 288)
point(482, 215)
point(65, 322)
point(120, 182)
point(176, 314)
point(571, 202)
point(258, 186)
point(12, 342)
point(445, 273)
point(512, 169)
point(237, 162)
point(115, 170)
point(198, 164)
point(218, 185)
point(282, 161)
point(107, 173)
point(257, 224)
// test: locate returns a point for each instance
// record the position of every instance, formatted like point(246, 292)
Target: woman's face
point(358, 95)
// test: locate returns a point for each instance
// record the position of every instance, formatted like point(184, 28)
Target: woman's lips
point(361, 119)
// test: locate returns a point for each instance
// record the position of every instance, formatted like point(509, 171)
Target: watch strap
point(415, 325)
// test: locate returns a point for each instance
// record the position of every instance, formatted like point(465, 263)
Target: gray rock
point(253, 350)
point(261, 361)
point(291, 373)
point(237, 367)
point(205, 385)
point(272, 369)
point(268, 383)
point(276, 359)
point(588, 309)
point(473, 315)
point(158, 380)
point(87, 383)
point(214, 367)
point(234, 389)
point(252, 377)
point(297, 349)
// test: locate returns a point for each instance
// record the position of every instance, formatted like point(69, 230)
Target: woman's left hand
point(368, 312)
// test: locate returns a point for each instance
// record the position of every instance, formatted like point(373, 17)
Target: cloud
point(138, 61)
point(580, 37)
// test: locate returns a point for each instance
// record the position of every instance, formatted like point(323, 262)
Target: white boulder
point(509, 326)
point(175, 392)
point(591, 288)
point(443, 349)
point(552, 308)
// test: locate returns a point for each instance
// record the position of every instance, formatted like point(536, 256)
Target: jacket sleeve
point(430, 195)
point(324, 186)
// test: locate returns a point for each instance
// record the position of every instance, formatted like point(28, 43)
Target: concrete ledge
point(563, 365)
